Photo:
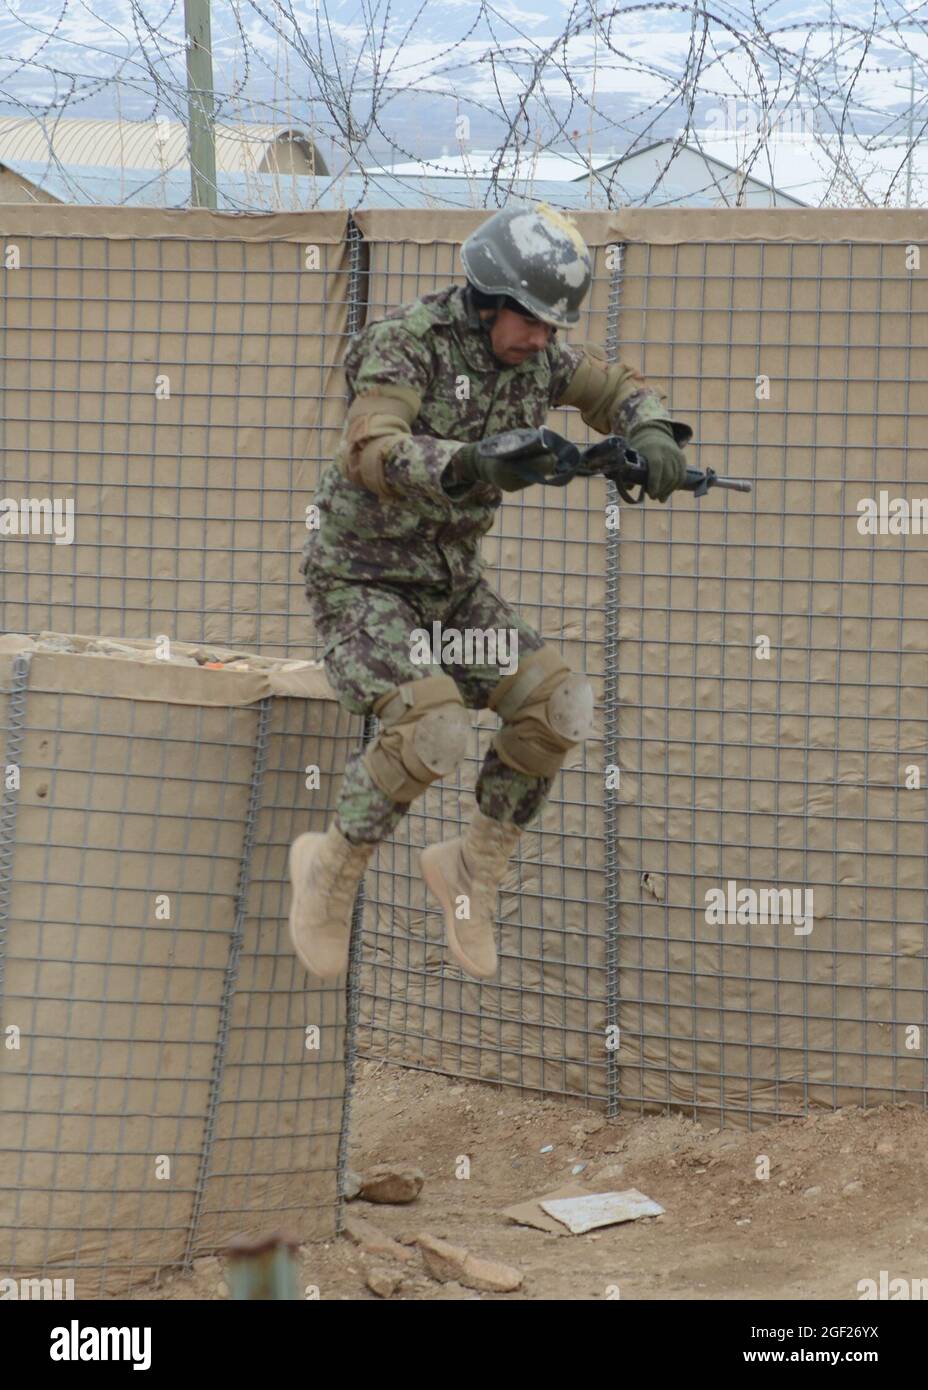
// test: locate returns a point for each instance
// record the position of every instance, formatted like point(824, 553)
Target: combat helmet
point(534, 255)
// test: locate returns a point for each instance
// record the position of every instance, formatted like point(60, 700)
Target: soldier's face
point(516, 337)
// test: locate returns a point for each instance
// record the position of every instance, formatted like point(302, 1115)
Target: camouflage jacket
point(418, 534)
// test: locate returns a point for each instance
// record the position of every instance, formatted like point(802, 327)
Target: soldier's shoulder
point(574, 352)
point(420, 316)
point(401, 341)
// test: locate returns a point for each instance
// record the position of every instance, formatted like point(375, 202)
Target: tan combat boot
point(471, 865)
point(325, 871)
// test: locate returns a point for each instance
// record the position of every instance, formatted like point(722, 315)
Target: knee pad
point(546, 710)
point(424, 737)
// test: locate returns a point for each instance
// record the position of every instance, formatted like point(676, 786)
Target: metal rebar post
point(9, 794)
point(231, 973)
point(611, 738)
point(357, 286)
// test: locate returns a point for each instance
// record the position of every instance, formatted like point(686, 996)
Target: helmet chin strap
point(485, 324)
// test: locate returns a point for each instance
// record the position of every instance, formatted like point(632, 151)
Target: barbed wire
point(464, 105)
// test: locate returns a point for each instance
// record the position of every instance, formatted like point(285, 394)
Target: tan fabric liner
point(186, 224)
point(672, 226)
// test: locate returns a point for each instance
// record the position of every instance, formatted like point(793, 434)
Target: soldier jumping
point(403, 508)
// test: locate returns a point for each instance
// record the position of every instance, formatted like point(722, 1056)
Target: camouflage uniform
point(383, 564)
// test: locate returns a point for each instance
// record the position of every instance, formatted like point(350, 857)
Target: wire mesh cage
point(171, 1076)
point(762, 713)
point(791, 342)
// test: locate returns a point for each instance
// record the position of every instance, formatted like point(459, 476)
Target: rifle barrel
point(734, 484)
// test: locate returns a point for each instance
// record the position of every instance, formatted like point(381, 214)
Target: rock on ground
point(390, 1182)
point(382, 1281)
point(446, 1262)
point(374, 1241)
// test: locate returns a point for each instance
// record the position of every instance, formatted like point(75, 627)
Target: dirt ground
point(847, 1197)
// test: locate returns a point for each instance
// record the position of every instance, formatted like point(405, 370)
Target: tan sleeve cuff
point(375, 423)
point(598, 387)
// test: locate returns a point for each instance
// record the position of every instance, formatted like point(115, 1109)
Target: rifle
point(612, 458)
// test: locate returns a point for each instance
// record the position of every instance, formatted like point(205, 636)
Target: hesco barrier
point(170, 1076)
point(176, 375)
point(759, 660)
point(761, 669)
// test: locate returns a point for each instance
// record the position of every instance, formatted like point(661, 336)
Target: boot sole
point(300, 856)
point(438, 885)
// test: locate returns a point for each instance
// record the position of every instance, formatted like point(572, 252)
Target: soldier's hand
point(477, 463)
point(654, 440)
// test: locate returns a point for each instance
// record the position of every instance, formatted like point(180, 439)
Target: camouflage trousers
point(366, 630)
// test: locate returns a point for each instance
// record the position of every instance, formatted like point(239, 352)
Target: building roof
point(557, 166)
point(238, 191)
point(796, 169)
point(149, 145)
point(145, 163)
point(804, 166)
point(258, 191)
point(262, 192)
point(16, 188)
point(719, 172)
point(705, 173)
point(630, 177)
